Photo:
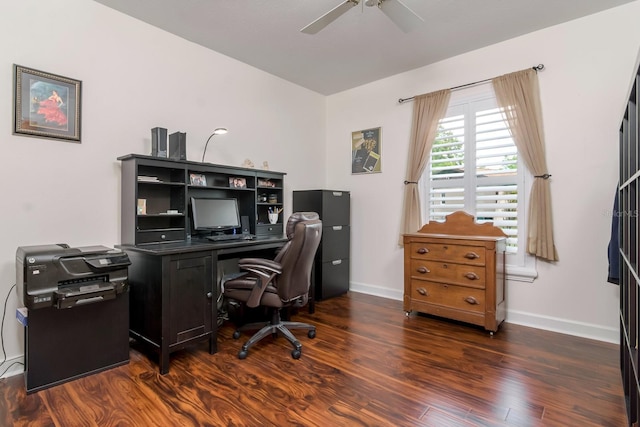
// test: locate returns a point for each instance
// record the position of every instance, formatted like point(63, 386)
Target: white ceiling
point(361, 46)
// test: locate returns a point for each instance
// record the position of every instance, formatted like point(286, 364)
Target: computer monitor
point(214, 214)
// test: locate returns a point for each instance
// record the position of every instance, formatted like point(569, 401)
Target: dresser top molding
point(460, 224)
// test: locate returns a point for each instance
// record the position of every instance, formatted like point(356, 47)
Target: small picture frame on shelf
point(142, 206)
point(198, 179)
point(265, 183)
point(236, 182)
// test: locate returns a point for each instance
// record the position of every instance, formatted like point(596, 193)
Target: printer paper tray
point(78, 296)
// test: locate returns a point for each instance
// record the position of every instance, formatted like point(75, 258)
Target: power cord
point(4, 352)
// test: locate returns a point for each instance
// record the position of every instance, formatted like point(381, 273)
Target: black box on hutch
point(159, 142)
point(178, 146)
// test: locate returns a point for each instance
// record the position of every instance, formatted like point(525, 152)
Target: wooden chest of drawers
point(455, 269)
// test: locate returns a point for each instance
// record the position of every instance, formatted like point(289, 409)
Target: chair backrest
point(297, 258)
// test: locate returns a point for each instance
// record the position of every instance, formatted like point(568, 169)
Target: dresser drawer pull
point(471, 276)
point(422, 291)
point(423, 270)
point(471, 300)
point(423, 251)
point(471, 255)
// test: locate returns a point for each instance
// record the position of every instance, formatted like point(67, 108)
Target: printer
point(59, 276)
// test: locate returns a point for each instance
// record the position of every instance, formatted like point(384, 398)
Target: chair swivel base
point(272, 328)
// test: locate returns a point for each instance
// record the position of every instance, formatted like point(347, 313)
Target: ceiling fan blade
point(401, 15)
point(329, 17)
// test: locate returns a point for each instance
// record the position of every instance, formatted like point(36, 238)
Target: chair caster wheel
point(242, 354)
point(311, 333)
point(296, 354)
point(236, 335)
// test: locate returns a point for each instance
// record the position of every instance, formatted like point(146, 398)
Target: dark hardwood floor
point(368, 366)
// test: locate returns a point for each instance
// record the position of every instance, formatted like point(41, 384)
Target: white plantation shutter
point(474, 168)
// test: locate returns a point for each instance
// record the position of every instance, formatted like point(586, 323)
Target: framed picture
point(365, 151)
point(235, 182)
point(198, 179)
point(46, 105)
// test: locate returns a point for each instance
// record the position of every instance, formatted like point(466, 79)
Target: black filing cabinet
point(331, 269)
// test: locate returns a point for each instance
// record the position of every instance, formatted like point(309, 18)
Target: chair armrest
point(261, 266)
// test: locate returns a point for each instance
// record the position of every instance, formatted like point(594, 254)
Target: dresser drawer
point(465, 275)
point(452, 296)
point(453, 253)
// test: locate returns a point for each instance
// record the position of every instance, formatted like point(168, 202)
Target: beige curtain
point(427, 111)
point(517, 94)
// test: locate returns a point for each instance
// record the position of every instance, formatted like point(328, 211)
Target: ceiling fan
point(395, 10)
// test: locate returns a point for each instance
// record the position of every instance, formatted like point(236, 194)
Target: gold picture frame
point(46, 105)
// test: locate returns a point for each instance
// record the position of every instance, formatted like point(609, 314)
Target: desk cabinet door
point(191, 296)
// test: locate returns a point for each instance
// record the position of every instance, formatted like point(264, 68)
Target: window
point(474, 167)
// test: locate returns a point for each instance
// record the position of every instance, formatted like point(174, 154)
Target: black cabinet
point(629, 223)
point(331, 269)
point(172, 300)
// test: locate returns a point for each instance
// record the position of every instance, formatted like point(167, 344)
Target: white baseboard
point(13, 366)
point(564, 326)
point(553, 324)
point(376, 291)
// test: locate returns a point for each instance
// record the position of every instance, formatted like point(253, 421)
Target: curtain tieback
point(545, 176)
point(410, 182)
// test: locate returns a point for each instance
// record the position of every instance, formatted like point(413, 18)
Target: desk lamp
point(217, 131)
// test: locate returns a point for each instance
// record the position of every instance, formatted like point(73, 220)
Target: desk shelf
point(160, 185)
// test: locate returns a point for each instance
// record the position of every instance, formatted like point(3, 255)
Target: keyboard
point(232, 237)
point(225, 237)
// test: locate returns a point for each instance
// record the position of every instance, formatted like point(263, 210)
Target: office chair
point(279, 283)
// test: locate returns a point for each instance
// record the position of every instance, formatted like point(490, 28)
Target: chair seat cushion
point(240, 289)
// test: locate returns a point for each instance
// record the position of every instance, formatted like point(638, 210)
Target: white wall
point(589, 63)
point(135, 77)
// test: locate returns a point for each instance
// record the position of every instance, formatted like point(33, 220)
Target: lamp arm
point(205, 147)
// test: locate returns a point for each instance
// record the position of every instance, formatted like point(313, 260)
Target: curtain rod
point(537, 68)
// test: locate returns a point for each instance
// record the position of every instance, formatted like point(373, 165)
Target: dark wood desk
point(173, 290)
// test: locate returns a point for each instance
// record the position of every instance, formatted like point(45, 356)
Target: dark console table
point(173, 291)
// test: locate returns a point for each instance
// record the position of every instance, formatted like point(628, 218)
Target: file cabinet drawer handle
point(422, 291)
point(423, 270)
point(337, 227)
point(423, 251)
point(471, 276)
point(472, 255)
point(336, 262)
point(337, 193)
point(471, 300)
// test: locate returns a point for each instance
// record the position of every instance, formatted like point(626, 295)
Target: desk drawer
point(158, 236)
point(459, 297)
point(269, 230)
point(465, 275)
point(453, 253)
